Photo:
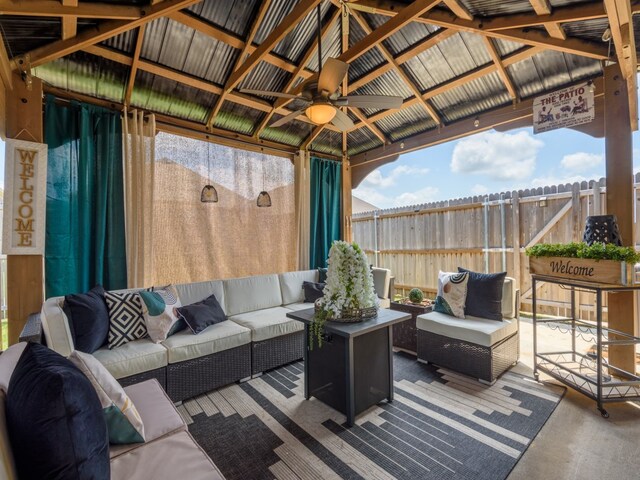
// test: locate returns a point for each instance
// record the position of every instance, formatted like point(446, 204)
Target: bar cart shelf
point(588, 373)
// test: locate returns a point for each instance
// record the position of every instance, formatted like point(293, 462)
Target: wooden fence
point(483, 233)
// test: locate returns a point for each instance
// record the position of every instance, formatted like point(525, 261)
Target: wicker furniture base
point(159, 374)
point(484, 363)
point(405, 334)
point(276, 351)
point(193, 377)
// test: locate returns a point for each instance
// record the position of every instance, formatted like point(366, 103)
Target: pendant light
point(264, 200)
point(209, 193)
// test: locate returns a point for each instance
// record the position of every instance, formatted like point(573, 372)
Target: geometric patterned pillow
point(159, 310)
point(126, 322)
point(452, 293)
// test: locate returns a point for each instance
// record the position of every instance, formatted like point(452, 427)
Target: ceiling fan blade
point(287, 119)
point(342, 121)
point(369, 101)
point(268, 93)
point(331, 75)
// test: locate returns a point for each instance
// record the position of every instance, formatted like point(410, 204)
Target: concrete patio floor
point(576, 442)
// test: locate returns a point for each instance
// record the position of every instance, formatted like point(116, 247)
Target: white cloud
point(479, 189)
point(550, 180)
point(379, 199)
point(424, 195)
point(581, 161)
point(499, 155)
point(377, 179)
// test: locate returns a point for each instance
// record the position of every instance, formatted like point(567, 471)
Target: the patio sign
point(583, 269)
point(25, 198)
point(564, 108)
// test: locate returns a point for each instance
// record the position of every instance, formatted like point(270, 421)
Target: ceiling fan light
point(320, 113)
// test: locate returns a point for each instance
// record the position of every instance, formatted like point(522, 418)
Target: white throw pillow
point(123, 420)
point(452, 293)
point(159, 309)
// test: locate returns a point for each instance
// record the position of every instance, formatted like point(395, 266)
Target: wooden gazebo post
point(619, 175)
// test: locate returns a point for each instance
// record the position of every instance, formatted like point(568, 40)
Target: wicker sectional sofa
point(258, 335)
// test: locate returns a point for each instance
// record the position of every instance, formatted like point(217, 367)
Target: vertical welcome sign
point(25, 178)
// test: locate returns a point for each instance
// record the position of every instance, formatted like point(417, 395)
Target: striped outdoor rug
point(441, 425)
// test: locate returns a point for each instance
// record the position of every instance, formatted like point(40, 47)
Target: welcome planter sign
point(24, 198)
point(583, 269)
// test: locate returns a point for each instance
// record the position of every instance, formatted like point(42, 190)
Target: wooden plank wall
point(417, 242)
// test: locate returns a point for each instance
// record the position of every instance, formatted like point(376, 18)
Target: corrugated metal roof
point(238, 118)
point(293, 133)
point(328, 142)
point(232, 15)
point(265, 77)
point(331, 47)
point(406, 122)
point(406, 37)
point(489, 8)
point(86, 74)
point(274, 16)
point(362, 140)
point(125, 42)
point(367, 62)
point(387, 84)
point(588, 29)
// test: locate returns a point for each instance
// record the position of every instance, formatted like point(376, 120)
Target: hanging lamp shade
point(264, 199)
point(209, 194)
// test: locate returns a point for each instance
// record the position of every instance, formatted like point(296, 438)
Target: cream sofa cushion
point(470, 329)
point(185, 345)
point(296, 307)
point(291, 285)
point(251, 293)
point(56, 326)
point(194, 292)
point(133, 357)
point(268, 323)
point(381, 281)
point(509, 309)
point(186, 460)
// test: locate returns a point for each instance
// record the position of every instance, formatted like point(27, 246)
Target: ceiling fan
point(323, 98)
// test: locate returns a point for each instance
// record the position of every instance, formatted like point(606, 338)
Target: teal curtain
point(326, 188)
point(85, 236)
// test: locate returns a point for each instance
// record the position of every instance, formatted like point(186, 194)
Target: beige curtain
point(303, 186)
point(139, 132)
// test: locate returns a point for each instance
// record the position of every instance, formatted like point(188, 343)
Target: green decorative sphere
point(416, 295)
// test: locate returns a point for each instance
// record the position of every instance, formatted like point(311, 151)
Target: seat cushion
point(158, 414)
point(470, 329)
point(296, 307)
point(149, 461)
point(194, 292)
point(268, 323)
point(252, 293)
point(56, 326)
point(216, 338)
point(381, 281)
point(291, 284)
point(133, 357)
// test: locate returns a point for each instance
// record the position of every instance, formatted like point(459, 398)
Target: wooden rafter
point(287, 24)
point(459, 9)
point(281, 102)
point(446, 19)
point(134, 65)
point(55, 8)
point(502, 71)
point(103, 31)
point(621, 24)
point(5, 67)
point(399, 70)
point(232, 40)
point(241, 57)
point(554, 29)
point(312, 136)
point(69, 23)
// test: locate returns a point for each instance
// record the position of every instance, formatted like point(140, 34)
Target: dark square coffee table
point(353, 369)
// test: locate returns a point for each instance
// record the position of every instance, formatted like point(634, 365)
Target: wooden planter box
point(584, 269)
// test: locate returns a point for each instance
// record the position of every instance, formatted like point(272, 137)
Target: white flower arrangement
point(349, 286)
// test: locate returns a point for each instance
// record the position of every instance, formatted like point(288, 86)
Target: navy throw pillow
point(89, 320)
point(484, 294)
point(55, 420)
point(312, 291)
point(202, 314)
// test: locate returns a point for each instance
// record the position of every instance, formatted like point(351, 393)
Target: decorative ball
point(416, 295)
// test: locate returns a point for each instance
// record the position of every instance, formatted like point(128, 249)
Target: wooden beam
point(400, 18)
point(69, 23)
point(446, 19)
point(298, 13)
point(370, 125)
point(314, 134)
point(134, 66)
point(502, 71)
point(54, 8)
point(542, 7)
point(399, 71)
point(459, 9)
point(25, 273)
point(262, 11)
point(234, 41)
point(102, 32)
point(5, 66)
point(281, 102)
point(621, 24)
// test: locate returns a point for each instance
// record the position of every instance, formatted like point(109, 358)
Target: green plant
point(597, 251)
point(416, 295)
